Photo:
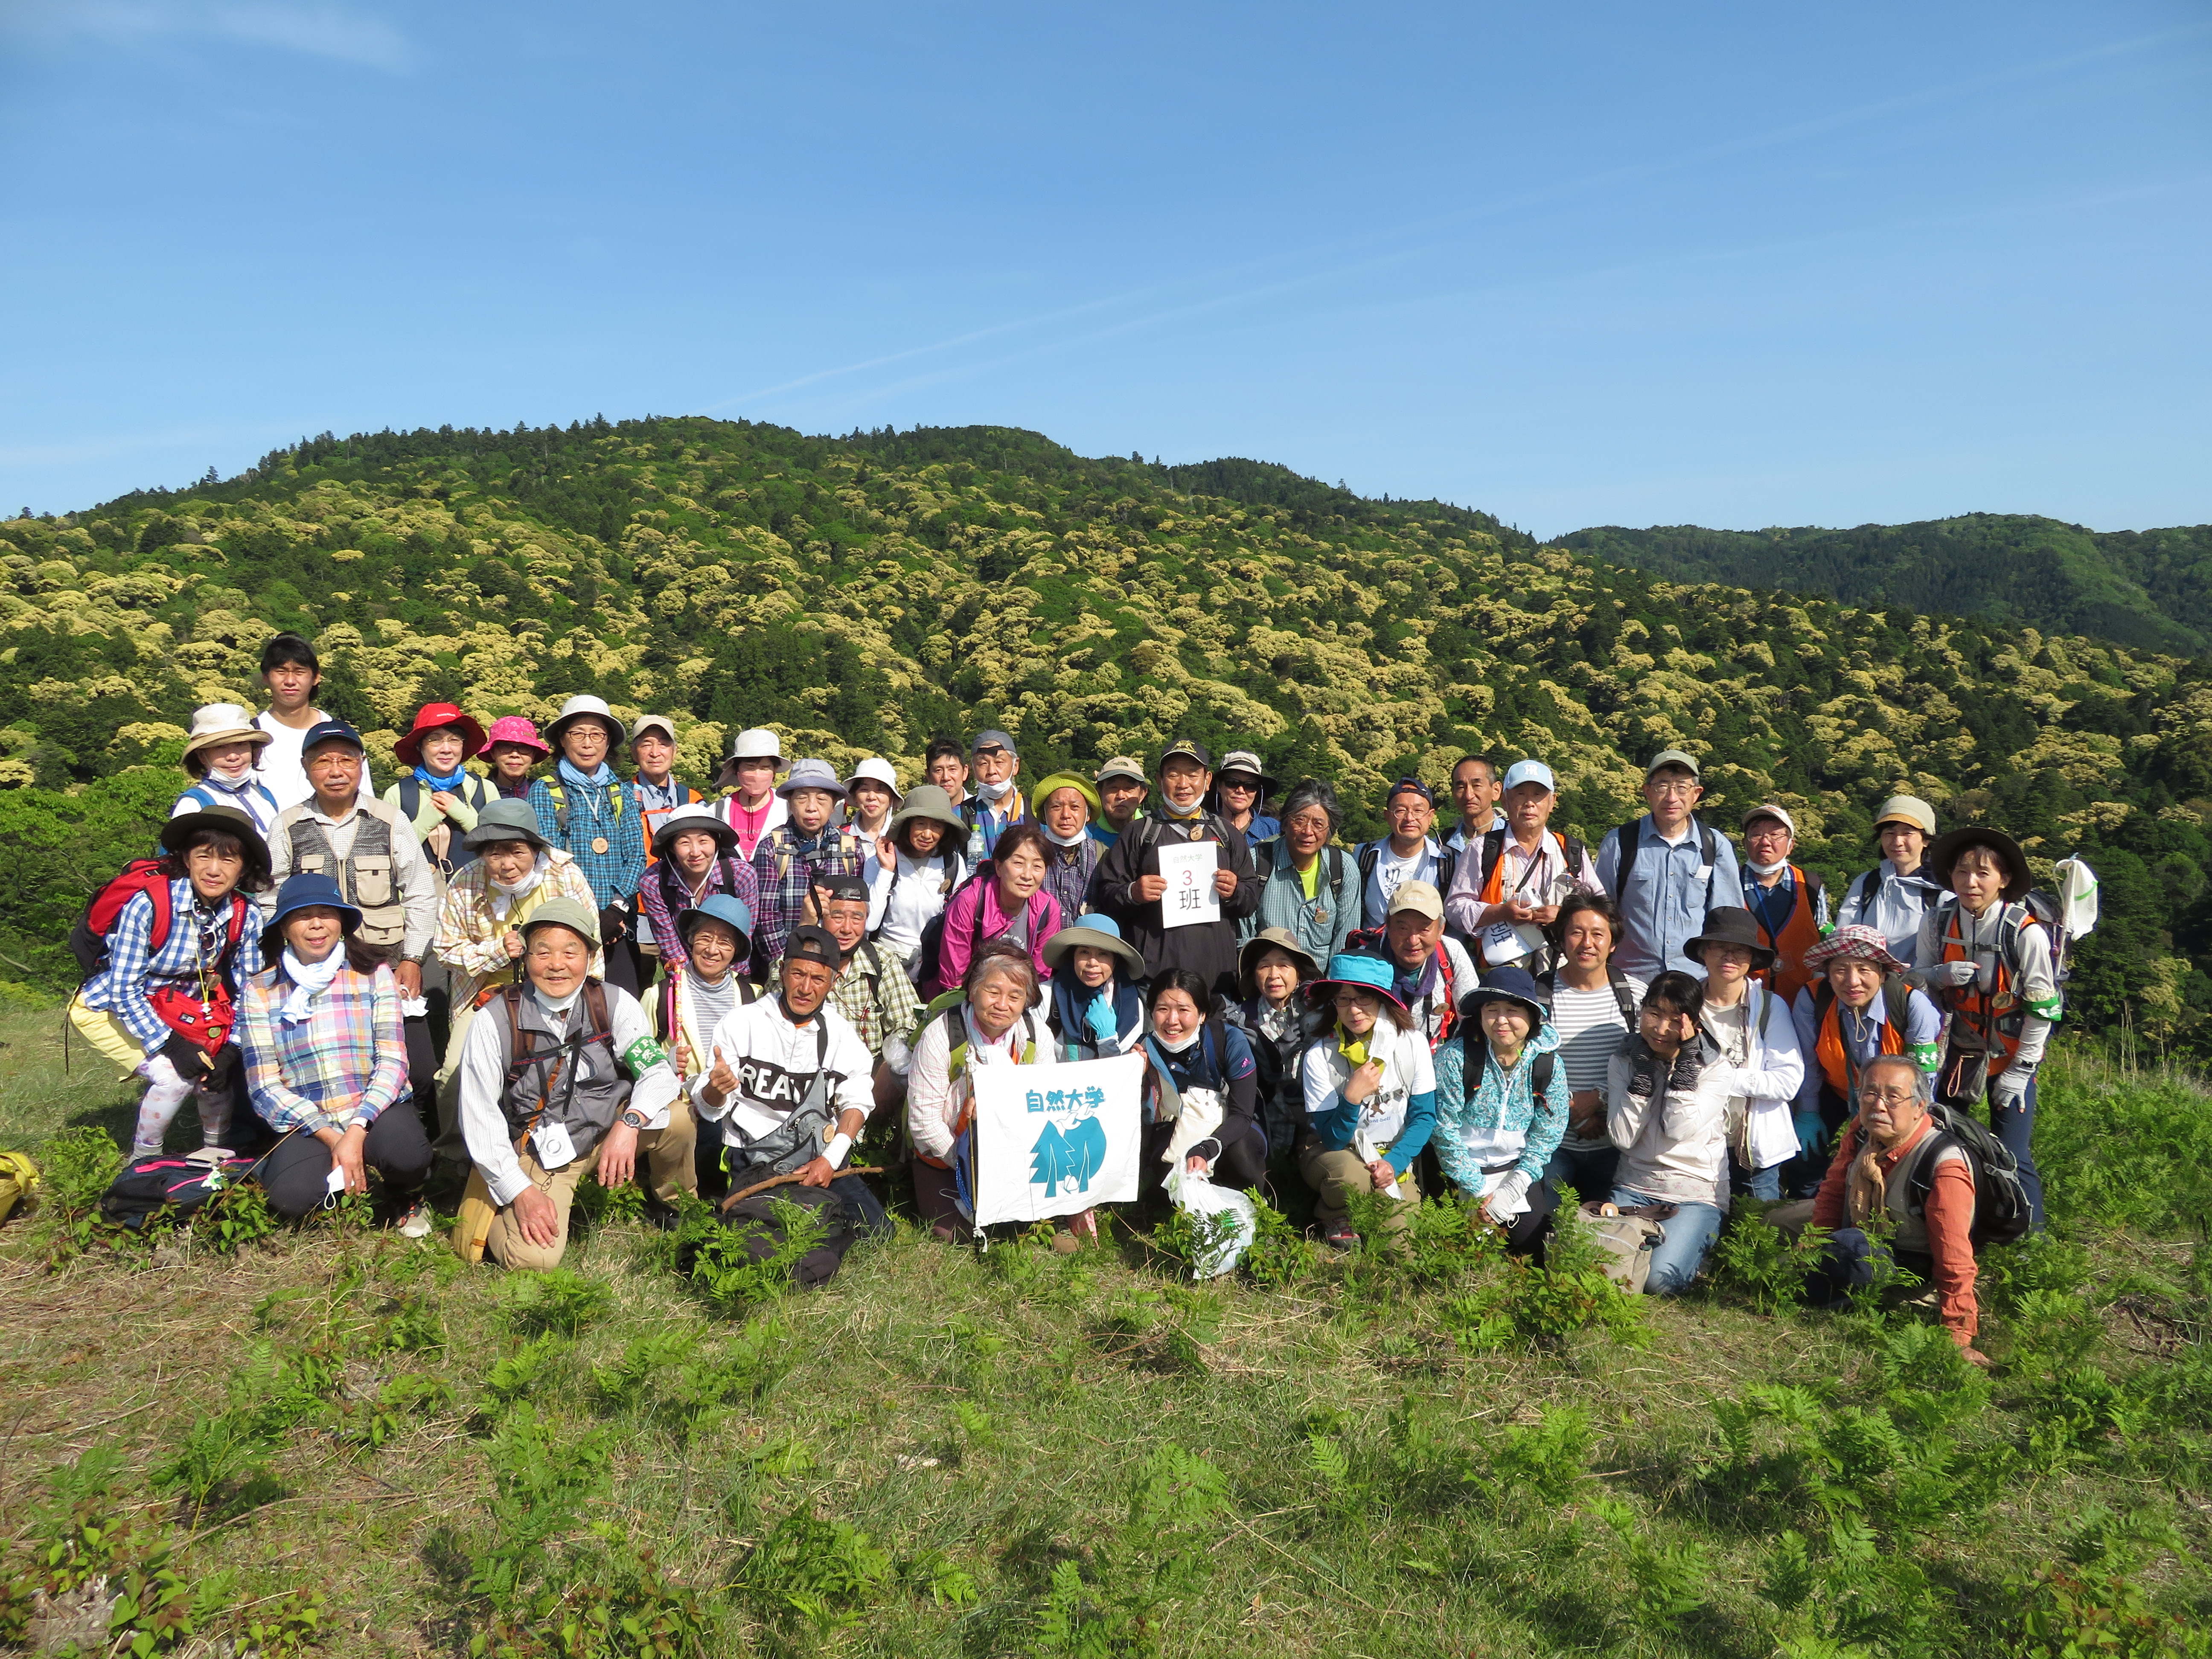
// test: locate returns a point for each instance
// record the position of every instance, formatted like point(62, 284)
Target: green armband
point(1926, 1055)
point(644, 1055)
point(2050, 1008)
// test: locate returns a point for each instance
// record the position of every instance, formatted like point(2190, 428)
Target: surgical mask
point(995, 792)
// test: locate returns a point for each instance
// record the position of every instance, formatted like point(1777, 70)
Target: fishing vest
point(1904, 1182)
point(1799, 934)
point(574, 1079)
point(368, 875)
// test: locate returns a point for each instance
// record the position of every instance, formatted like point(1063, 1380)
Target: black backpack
point(1477, 1055)
point(1624, 993)
point(1370, 855)
point(2001, 1215)
point(145, 1187)
point(754, 1219)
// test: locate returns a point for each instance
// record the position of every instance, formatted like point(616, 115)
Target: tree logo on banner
point(1073, 1156)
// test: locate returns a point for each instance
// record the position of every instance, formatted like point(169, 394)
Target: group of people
point(546, 967)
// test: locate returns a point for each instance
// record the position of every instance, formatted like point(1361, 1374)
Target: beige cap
point(1420, 896)
point(659, 723)
point(1906, 810)
point(1122, 766)
point(1770, 810)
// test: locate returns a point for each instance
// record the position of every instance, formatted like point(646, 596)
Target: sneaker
point(1340, 1238)
point(415, 1224)
point(209, 1155)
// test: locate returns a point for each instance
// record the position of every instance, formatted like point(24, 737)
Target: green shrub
point(1765, 1265)
point(557, 1301)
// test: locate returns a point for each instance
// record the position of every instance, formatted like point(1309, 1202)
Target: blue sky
point(1728, 264)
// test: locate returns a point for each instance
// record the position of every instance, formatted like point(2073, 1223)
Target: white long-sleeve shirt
point(777, 1062)
point(934, 1098)
point(484, 1074)
point(1673, 1147)
point(899, 908)
point(1769, 1073)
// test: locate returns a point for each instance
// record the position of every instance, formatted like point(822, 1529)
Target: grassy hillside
point(867, 592)
point(2149, 589)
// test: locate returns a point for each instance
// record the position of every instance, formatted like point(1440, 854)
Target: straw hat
point(219, 722)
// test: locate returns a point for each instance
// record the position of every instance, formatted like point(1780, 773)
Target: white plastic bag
point(1197, 1193)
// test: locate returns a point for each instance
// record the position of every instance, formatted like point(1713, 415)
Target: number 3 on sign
point(1188, 871)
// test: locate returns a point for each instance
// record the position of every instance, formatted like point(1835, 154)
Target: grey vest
point(368, 875)
point(576, 1073)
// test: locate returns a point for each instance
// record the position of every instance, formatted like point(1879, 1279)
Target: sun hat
point(323, 731)
point(754, 743)
point(1419, 896)
point(659, 723)
point(1123, 766)
point(1100, 933)
point(573, 914)
point(693, 816)
point(730, 911)
point(1731, 924)
point(928, 800)
point(515, 729)
point(811, 774)
point(1770, 810)
point(1908, 810)
point(1243, 760)
point(305, 892)
point(1529, 771)
point(875, 769)
point(1187, 749)
point(220, 722)
point(991, 739)
point(584, 705)
point(1046, 786)
point(1858, 943)
point(1508, 983)
point(1945, 850)
point(1275, 938)
point(1362, 973)
point(177, 834)
point(436, 717)
point(506, 820)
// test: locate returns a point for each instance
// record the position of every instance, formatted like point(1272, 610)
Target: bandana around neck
point(448, 784)
point(309, 981)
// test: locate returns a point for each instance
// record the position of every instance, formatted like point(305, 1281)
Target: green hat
point(573, 914)
point(1058, 781)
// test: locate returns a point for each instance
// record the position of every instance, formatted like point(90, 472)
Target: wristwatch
point(636, 1120)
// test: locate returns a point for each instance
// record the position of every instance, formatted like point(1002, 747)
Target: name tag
point(1502, 942)
point(555, 1149)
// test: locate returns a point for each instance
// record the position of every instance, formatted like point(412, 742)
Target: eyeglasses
point(1673, 787)
point(1892, 1098)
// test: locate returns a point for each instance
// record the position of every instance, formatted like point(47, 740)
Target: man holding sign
point(1181, 879)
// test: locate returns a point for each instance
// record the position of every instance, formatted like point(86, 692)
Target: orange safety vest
point(1834, 1054)
point(650, 816)
point(1799, 934)
point(1991, 1020)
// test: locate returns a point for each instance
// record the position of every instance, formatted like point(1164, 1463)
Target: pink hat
point(513, 729)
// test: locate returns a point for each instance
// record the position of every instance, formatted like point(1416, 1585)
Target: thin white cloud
point(315, 28)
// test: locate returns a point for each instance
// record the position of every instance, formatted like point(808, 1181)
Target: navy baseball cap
point(323, 731)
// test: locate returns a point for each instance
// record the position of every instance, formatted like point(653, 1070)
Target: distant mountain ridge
point(2150, 590)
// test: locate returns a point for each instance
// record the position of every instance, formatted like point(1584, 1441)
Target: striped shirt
point(344, 1063)
point(196, 936)
point(1590, 1030)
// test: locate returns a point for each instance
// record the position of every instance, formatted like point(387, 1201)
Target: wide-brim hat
point(1731, 924)
point(517, 730)
point(506, 820)
point(584, 705)
point(307, 891)
point(875, 769)
point(694, 815)
point(928, 800)
point(178, 832)
point(754, 743)
point(220, 722)
point(1857, 942)
point(1510, 983)
point(573, 914)
point(1047, 787)
point(730, 911)
point(437, 717)
point(1361, 972)
point(812, 773)
point(1945, 850)
point(1275, 938)
point(1243, 760)
point(1100, 933)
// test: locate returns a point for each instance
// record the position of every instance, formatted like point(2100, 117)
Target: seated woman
point(160, 1005)
point(994, 1023)
point(1008, 899)
point(1203, 1089)
point(1309, 889)
point(695, 854)
point(1502, 1104)
point(222, 758)
point(1859, 1006)
point(696, 995)
point(1666, 1110)
point(1270, 968)
point(1593, 1011)
point(917, 866)
point(326, 1058)
point(1098, 1007)
point(1371, 1094)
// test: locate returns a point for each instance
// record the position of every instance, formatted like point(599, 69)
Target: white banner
point(1054, 1140)
point(1189, 868)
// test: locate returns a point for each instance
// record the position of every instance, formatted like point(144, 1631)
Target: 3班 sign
point(1188, 867)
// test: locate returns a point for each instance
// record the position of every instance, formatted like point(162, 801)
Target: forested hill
point(864, 593)
point(2150, 589)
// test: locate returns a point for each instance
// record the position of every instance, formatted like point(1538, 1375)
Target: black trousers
point(296, 1176)
point(615, 934)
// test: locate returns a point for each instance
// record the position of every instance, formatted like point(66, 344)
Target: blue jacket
point(1498, 1100)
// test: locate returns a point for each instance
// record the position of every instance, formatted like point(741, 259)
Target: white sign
point(1054, 1140)
point(1188, 868)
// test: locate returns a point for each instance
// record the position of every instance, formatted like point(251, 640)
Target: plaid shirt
point(346, 1061)
point(1068, 872)
point(604, 811)
point(730, 875)
point(878, 998)
point(469, 935)
point(195, 937)
point(785, 868)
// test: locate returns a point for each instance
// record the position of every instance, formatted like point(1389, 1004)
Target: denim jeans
point(1690, 1233)
point(1766, 1185)
point(1589, 1173)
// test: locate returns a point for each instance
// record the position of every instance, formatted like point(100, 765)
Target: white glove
point(1949, 975)
point(1508, 1198)
point(2008, 1089)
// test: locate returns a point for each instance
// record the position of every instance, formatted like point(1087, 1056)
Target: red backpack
point(205, 1024)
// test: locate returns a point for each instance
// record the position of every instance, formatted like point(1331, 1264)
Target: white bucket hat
point(754, 743)
point(578, 708)
point(876, 769)
point(220, 722)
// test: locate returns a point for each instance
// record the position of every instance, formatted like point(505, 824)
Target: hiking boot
point(661, 1216)
point(416, 1223)
point(1065, 1243)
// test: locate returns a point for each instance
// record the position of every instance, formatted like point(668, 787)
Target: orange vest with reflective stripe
point(1799, 934)
point(1835, 1055)
point(1994, 1016)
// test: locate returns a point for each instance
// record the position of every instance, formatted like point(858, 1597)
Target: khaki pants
point(1331, 1175)
point(665, 1153)
point(1791, 1219)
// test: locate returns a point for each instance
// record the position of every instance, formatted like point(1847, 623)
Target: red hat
point(433, 717)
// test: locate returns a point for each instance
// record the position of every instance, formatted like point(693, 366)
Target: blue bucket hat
point(1362, 972)
point(1100, 933)
point(305, 892)
point(719, 906)
point(1508, 984)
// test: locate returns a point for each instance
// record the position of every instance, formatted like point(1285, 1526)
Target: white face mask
point(995, 792)
point(1769, 869)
